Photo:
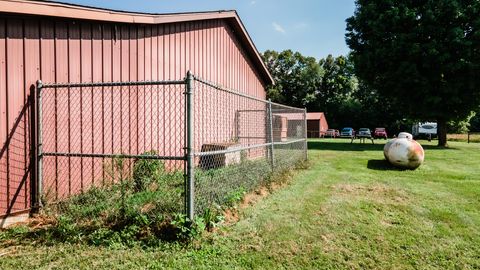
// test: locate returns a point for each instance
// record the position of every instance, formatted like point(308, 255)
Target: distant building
point(316, 124)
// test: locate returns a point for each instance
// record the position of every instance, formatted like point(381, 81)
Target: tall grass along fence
point(157, 150)
point(469, 137)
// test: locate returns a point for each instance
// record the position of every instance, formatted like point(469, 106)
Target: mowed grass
point(349, 209)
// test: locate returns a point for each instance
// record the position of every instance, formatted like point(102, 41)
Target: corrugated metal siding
point(58, 50)
point(323, 123)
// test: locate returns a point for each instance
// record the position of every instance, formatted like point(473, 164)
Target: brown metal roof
point(55, 9)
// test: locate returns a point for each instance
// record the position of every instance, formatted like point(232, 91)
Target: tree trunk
point(442, 132)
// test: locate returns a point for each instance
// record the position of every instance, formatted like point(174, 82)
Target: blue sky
point(312, 27)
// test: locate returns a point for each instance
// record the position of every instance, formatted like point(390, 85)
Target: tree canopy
point(328, 85)
point(421, 56)
point(297, 77)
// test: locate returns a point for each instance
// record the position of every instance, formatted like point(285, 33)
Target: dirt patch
point(7, 251)
point(147, 208)
point(253, 197)
point(378, 193)
point(322, 211)
point(37, 222)
point(386, 223)
point(231, 215)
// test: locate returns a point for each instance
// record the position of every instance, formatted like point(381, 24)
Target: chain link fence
point(126, 139)
point(242, 141)
point(186, 146)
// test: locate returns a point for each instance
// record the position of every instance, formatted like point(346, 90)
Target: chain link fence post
point(189, 147)
point(305, 147)
point(270, 120)
point(39, 152)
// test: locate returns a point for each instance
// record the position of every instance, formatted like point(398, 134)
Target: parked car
point(347, 132)
point(364, 132)
point(380, 133)
point(332, 133)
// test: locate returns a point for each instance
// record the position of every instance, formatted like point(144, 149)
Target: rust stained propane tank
point(404, 152)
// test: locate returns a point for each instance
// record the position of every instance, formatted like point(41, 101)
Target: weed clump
point(146, 171)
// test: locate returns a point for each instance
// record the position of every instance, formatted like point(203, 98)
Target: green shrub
point(66, 230)
point(212, 218)
point(13, 232)
point(146, 171)
point(234, 196)
point(187, 229)
point(89, 204)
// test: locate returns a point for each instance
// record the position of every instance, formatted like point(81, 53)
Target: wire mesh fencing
point(127, 138)
point(289, 136)
point(186, 146)
point(240, 141)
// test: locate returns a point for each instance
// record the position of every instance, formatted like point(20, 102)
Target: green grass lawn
point(348, 210)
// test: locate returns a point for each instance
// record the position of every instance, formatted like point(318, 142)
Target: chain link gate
point(211, 144)
point(101, 134)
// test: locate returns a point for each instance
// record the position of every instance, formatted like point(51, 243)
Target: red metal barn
point(316, 124)
point(60, 43)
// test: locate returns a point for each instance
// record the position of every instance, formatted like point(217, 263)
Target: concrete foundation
point(12, 219)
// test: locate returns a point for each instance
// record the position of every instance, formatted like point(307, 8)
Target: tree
point(475, 122)
point(304, 82)
point(337, 83)
point(377, 111)
point(461, 126)
point(421, 56)
point(297, 77)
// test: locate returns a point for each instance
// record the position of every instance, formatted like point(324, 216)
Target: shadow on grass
point(436, 147)
point(344, 145)
point(382, 165)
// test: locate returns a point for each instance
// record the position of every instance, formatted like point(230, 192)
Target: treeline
point(422, 56)
point(329, 85)
point(409, 61)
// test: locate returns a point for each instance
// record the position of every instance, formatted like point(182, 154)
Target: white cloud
point(301, 25)
point(277, 27)
point(253, 2)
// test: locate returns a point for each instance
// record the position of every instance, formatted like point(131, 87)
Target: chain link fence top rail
point(102, 134)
